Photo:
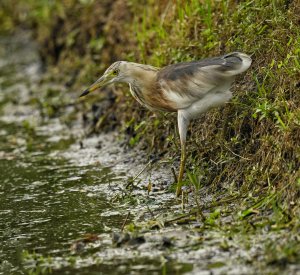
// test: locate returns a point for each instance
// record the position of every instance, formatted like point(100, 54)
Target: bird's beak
point(102, 81)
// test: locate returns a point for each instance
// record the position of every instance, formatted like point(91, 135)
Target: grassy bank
point(249, 149)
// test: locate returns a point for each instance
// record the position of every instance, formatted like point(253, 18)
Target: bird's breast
point(152, 98)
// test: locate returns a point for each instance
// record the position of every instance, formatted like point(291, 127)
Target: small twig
point(230, 199)
point(182, 200)
point(125, 221)
point(193, 212)
point(150, 211)
point(235, 153)
point(138, 174)
point(200, 213)
point(174, 174)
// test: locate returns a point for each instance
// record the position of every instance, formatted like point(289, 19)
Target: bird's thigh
point(208, 102)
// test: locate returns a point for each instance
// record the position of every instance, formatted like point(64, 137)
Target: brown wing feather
point(228, 62)
point(183, 83)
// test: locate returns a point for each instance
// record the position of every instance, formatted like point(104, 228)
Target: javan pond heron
point(188, 88)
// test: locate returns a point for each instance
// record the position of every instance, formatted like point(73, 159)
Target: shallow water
point(46, 201)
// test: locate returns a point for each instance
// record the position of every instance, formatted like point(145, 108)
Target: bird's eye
point(115, 72)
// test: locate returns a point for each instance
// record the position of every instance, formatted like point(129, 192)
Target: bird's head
point(115, 73)
point(123, 71)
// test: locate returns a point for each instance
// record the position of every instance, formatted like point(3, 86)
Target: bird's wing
point(183, 83)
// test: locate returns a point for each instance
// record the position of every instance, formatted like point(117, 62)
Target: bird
point(188, 88)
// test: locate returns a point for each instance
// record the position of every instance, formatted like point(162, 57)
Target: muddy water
point(45, 201)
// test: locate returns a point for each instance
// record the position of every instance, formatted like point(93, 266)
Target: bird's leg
point(183, 123)
point(181, 168)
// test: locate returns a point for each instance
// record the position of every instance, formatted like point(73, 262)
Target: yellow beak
point(102, 81)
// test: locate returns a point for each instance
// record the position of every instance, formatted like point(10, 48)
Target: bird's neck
point(142, 76)
point(145, 89)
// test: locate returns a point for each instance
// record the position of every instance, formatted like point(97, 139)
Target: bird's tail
point(239, 62)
